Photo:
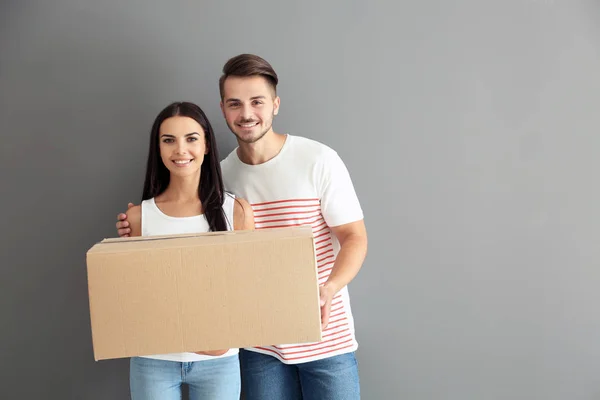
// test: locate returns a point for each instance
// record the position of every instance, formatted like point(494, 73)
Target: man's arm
point(353, 250)
point(342, 213)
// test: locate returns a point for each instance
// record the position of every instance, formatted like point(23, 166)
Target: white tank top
point(155, 222)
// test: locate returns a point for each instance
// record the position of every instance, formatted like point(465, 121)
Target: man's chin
point(249, 138)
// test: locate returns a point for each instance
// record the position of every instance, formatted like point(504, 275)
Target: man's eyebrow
point(251, 98)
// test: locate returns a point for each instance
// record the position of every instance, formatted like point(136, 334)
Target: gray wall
point(470, 130)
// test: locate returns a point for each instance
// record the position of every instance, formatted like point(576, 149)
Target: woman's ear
point(206, 146)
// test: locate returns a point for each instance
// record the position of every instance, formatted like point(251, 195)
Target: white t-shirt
point(306, 183)
point(155, 222)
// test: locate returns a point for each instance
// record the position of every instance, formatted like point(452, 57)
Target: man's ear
point(222, 108)
point(276, 103)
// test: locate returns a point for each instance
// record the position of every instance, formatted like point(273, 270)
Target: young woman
point(183, 193)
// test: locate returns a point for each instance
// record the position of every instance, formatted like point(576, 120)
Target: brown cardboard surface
point(168, 294)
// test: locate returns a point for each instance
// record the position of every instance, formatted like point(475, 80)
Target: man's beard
point(252, 139)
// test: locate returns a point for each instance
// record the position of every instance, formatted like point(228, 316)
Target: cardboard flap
point(110, 245)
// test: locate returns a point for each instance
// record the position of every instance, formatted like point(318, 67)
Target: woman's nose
point(181, 148)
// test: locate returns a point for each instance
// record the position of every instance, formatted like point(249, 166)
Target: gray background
point(470, 130)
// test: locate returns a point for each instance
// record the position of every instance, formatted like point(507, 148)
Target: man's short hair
point(246, 65)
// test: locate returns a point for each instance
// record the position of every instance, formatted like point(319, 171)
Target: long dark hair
point(210, 188)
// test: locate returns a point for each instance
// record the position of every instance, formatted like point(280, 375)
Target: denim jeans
point(266, 378)
point(217, 379)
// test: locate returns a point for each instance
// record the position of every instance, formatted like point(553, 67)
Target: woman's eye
point(192, 139)
point(167, 140)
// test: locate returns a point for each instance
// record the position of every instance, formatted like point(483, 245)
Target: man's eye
point(258, 102)
point(233, 105)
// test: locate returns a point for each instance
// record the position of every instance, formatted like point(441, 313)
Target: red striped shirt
point(338, 337)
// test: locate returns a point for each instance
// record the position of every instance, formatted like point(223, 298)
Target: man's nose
point(246, 112)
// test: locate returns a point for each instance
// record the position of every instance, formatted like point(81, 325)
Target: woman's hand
point(214, 353)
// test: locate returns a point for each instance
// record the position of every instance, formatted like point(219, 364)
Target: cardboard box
point(198, 292)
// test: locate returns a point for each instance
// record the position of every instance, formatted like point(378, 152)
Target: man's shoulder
point(312, 147)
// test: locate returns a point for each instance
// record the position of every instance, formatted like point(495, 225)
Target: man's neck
point(262, 150)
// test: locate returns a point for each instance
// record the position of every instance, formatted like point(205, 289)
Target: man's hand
point(122, 223)
point(214, 353)
point(326, 293)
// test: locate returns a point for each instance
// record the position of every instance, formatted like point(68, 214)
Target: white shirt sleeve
point(339, 203)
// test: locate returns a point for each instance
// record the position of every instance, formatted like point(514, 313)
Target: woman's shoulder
point(134, 216)
point(243, 215)
point(242, 205)
point(134, 212)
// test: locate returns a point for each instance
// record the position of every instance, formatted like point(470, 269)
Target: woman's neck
point(182, 189)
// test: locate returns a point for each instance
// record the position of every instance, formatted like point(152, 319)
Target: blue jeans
point(217, 379)
point(266, 378)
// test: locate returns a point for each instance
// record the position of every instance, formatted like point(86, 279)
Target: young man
point(290, 180)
